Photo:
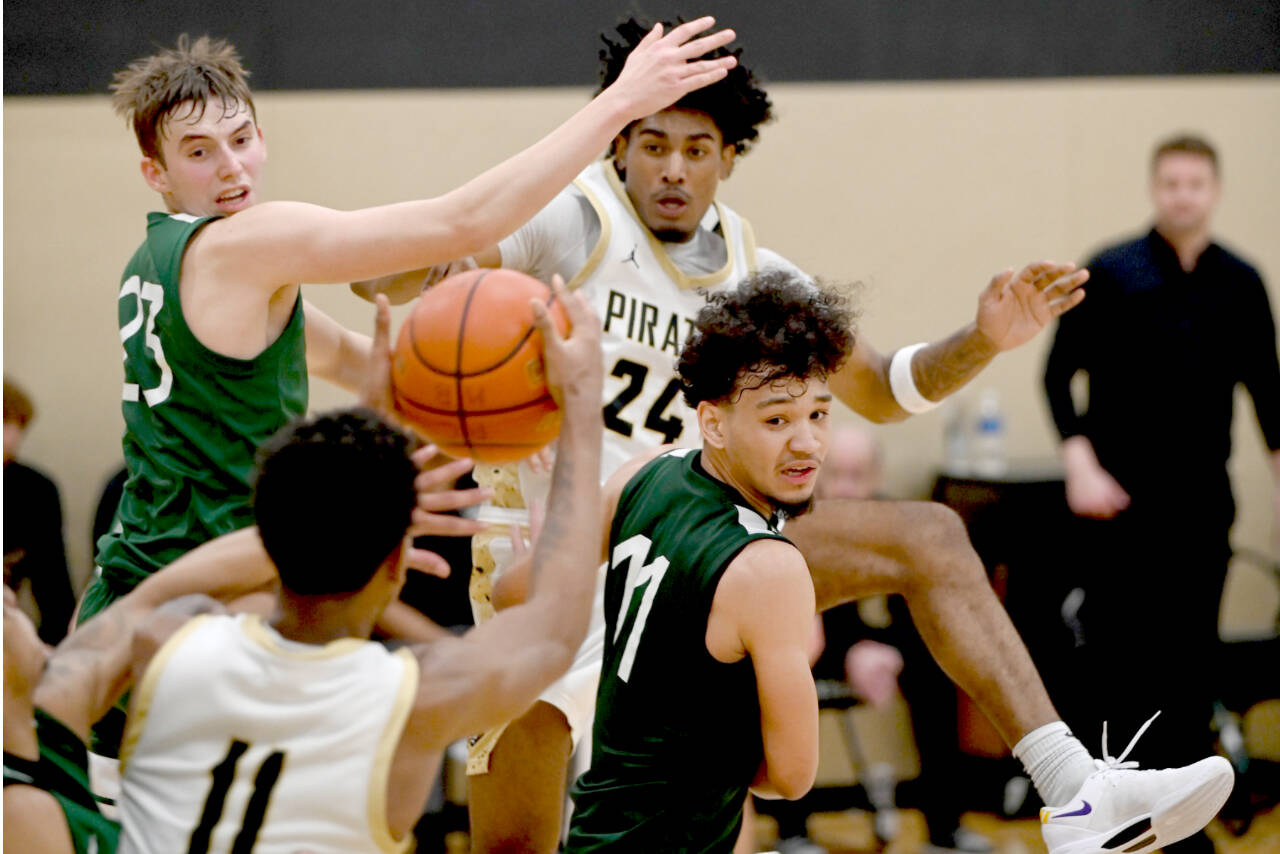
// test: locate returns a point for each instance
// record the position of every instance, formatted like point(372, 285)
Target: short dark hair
point(736, 104)
point(18, 408)
point(1185, 144)
point(151, 89)
point(774, 324)
point(333, 498)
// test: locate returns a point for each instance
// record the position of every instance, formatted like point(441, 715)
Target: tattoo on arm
point(945, 366)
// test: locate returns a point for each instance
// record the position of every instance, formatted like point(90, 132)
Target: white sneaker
point(1122, 810)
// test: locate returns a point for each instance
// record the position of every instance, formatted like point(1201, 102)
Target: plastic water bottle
point(988, 437)
point(955, 440)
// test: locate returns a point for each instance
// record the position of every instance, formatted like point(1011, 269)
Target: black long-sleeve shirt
point(1164, 349)
point(33, 540)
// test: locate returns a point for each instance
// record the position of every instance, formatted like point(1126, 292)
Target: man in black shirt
point(33, 547)
point(1173, 322)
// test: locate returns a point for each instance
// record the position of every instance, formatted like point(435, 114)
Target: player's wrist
point(616, 106)
point(980, 343)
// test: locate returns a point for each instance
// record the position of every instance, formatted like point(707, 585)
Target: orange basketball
point(467, 368)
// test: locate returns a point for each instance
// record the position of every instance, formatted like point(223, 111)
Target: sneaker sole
point(1175, 817)
point(1183, 813)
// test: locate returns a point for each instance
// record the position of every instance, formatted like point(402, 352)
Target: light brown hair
point(152, 89)
point(17, 406)
point(1185, 144)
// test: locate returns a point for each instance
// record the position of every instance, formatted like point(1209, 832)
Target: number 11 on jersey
point(633, 552)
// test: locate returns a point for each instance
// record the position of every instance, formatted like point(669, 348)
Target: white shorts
point(574, 693)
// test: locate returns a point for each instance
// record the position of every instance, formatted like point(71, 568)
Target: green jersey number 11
point(634, 551)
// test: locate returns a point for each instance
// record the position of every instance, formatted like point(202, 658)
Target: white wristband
point(903, 384)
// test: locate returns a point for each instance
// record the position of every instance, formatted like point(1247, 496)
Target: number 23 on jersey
point(149, 299)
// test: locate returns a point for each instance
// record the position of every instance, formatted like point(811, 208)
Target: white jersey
point(242, 740)
point(646, 293)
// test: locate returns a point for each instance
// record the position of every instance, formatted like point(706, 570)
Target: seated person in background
point(33, 547)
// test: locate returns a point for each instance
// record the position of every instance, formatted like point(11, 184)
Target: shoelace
point(1117, 763)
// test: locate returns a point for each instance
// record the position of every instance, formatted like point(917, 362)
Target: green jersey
point(193, 418)
point(63, 771)
point(677, 737)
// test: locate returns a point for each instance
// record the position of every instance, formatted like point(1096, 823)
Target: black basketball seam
point(457, 372)
point(459, 375)
point(431, 410)
point(462, 337)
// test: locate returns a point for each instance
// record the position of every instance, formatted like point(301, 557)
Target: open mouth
point(800, 472)
point(672, 204)
point(233, 198)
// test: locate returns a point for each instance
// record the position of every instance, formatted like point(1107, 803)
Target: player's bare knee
point(940, 550)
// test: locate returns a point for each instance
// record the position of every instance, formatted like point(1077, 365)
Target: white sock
point(1056, 762)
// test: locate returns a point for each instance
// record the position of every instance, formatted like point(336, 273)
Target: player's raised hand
point(663, 68)
point(1014, 307)
point(377, 381)
point(574, 364)
point(436, 499)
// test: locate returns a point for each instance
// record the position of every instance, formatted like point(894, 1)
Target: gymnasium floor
point(850, 833)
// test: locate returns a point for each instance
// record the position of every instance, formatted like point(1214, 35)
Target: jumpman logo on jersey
point(632, 256)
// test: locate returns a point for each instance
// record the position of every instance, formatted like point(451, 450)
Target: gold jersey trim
point(146, 689)
point(380, 775)
point(683, 280)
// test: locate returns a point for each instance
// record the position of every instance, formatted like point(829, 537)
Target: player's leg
point(921, 550)
point(517, 804)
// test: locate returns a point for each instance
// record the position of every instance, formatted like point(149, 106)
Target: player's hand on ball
point(436, 500)
point(377, 382)
point(574, 364)
point(664, 68)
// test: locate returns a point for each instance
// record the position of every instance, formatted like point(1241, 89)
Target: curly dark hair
point(333, 498)
point(774, 324)
point(736, 104)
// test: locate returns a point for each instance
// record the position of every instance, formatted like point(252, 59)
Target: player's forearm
point(403, 622)
point(497, 202)
point(229, 566)
point(870, 383)
point(565, 558)
point(944, 367)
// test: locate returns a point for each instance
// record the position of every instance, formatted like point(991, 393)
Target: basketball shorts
point(574, 693)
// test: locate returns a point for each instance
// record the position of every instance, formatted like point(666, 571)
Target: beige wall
point(921, 191)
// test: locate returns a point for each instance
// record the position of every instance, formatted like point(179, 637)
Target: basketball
point(467, 366)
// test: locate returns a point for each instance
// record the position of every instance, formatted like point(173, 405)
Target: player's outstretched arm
point(280, 243)
point(1012, 310)
point(764, 608)
point(493, 673)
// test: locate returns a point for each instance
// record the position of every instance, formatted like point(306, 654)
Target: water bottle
point(988, 437)
point(955, 440)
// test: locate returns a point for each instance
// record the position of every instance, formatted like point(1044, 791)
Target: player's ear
point(396, 567)
point(620, 148)
point(728, 156)
point(154, 173)
point(711, 424)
